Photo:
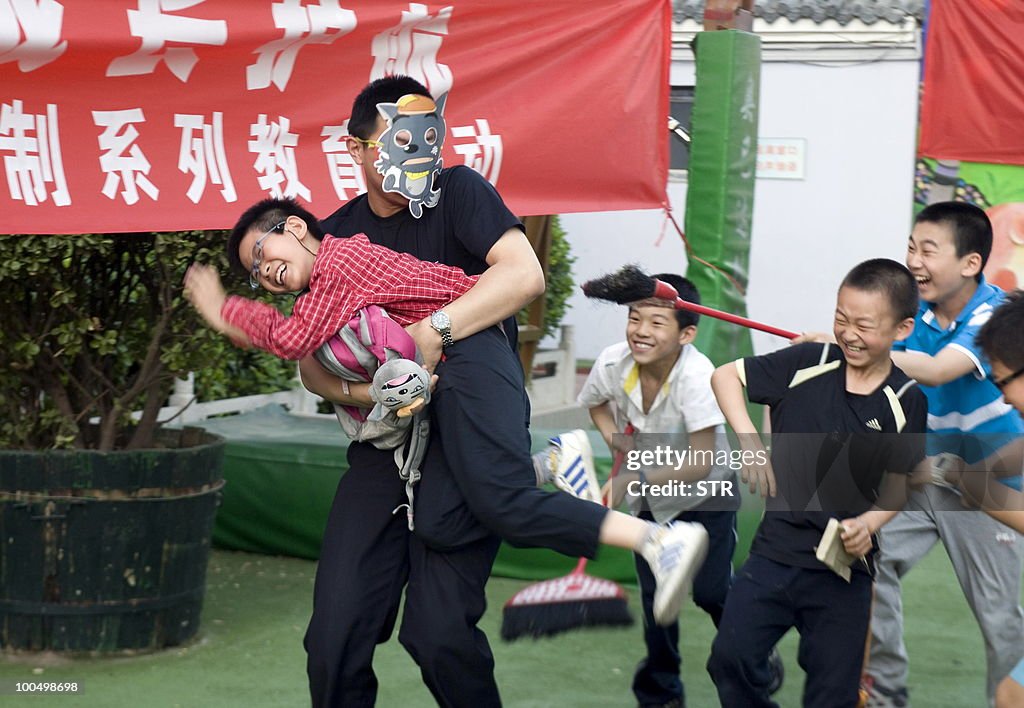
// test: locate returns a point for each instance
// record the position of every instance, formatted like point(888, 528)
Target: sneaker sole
point(582, 470)
point(678, 583)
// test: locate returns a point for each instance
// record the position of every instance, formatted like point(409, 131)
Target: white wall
point(859, 123)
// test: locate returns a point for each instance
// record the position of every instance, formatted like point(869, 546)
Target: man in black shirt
point(478, 481)
point(368, 553)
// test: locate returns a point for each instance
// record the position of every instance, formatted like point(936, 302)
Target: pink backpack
point(372, 342)
point(370, 339)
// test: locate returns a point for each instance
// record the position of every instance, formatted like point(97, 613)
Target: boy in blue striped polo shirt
point(947, 251)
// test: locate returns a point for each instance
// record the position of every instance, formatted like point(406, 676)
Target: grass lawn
point(249, 652)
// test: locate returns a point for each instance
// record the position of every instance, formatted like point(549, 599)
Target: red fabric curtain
point(973, 103)
point(123, 115)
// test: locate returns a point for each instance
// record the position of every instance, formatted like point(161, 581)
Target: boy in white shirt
point(659, 382)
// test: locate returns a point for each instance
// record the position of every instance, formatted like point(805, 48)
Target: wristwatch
point(440, 321)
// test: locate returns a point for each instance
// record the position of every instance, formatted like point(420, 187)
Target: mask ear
point(388, 111)
point(440, 102)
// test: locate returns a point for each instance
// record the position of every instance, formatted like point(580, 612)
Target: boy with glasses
point(1002, 341)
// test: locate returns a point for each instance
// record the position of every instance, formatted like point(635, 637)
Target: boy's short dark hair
point(688, 292)
point(891, 279)
point(267, 215)
point(384, 90)
point(1002, 337)
point(972, 231)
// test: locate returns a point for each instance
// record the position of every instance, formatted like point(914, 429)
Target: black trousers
point(480, 479)
point(766, 599)
point(478, 485)
point(657, 680)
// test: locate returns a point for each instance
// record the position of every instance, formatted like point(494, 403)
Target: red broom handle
point(620, 456)
point(664, 291)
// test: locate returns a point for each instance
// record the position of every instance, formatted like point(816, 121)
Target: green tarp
point(282, 472)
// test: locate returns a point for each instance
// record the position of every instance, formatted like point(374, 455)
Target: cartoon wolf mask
point(410, 149)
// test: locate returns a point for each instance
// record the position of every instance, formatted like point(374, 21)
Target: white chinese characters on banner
point(274, 146)
point(411, 49)
point(31, 35)
point(123, 160)
point(202, 155)
point(346, 176)
point(483, 154)
point(35, 158)
point(155, 28)
point(30, 32)
point(316, 24)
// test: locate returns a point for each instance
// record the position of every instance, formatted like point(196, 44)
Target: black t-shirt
point(830, 448)
point(459, 231)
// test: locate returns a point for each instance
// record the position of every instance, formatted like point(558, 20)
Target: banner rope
point(669, 217)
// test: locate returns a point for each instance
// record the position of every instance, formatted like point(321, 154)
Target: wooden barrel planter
point(107, 551)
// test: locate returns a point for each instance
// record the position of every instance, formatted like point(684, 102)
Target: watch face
point(439, 320)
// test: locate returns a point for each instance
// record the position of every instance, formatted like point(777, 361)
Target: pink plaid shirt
point(348, 274)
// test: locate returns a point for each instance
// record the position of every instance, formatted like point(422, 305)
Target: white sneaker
point(675, 554)
point(569, 463)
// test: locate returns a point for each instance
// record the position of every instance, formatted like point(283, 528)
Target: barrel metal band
point(107, 607)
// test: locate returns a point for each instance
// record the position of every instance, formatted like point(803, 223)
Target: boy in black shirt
point(842, 415)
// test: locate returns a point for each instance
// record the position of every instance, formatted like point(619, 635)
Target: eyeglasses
point(1008, 379)
point(368, 143)
point(257, 258)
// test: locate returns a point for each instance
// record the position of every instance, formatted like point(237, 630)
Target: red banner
point(141, 115)
point(972, 108)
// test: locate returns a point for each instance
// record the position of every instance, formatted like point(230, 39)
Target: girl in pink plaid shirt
point(279, 245)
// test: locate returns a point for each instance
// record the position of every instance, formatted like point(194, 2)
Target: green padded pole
point(720, 197)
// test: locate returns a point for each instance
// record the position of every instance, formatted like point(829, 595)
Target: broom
point(629, 284)
point(575, 600)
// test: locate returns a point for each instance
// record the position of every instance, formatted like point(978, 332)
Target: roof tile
point(841, 11)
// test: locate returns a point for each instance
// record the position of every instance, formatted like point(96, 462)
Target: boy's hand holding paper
point(833, 549)
point(856, 537)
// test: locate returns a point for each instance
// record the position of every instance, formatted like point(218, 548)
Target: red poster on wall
point(972, 108)
point(140, 115)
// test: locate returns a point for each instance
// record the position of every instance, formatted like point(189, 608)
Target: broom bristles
point(554, 618)
point(560, 604)
point(628, 284)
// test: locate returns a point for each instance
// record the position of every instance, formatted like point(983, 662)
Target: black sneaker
point(778, 672)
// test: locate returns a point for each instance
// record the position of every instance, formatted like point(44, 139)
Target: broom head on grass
point(561, 604)
point(569, 602)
